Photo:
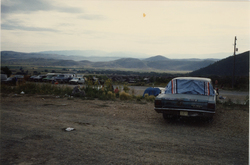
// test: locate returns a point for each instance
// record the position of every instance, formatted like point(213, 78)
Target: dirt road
point(115, 132)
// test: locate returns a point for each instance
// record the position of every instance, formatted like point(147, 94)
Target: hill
point(224, 67)
point(156, 58)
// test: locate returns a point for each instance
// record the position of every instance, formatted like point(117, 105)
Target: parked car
point(10, 81)
point(77, 80)
point(188, 97)
point(3, 77)
point(50, 77)
point(32, 77)
point(64, 78)
point(39, 78)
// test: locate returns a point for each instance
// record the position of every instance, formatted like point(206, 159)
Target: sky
point(175, 29)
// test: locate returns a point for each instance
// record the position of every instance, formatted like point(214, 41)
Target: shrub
point(124, 96)
point(110, 95)
point(139, 98)
point(33, 88)
point(103, 96)
point(126, 88)
point(108, 84)
point(92, 92)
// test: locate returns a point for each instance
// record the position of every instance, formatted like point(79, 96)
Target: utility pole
point(235, 49)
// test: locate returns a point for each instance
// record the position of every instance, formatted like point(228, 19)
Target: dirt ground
point(116, 132)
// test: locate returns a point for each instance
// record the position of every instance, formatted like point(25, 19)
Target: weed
point(150, 98)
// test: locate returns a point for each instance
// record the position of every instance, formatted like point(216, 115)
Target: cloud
point(91, 17)
point(28, 6)
point(26, 28)
point(16, 25)
point(16, 13)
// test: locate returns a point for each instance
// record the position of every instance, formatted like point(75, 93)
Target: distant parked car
point(3, 77)
point(32, 77)
point(39, 78)
point(64, 78)
point(77, 80)
point(188, 97)
point(49, 78)
point(10, 81)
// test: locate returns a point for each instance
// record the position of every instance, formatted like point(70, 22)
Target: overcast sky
point(147, 27)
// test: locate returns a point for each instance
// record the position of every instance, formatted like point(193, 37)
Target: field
point(116, 132)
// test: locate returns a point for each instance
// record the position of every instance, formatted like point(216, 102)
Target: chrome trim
point(193, 110)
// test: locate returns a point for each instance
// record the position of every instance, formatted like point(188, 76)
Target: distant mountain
point(8, 55)
point(93, 55)
point(224, 67)
point(179, 65)
point(156, 58)
point(130, 63)
point(153, 63)
point(76, 52)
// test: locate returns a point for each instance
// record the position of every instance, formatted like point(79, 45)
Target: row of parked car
point(11, 80)
point(60, 78)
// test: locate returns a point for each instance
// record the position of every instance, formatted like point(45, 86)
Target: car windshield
point(61, 75)
point(187, 86)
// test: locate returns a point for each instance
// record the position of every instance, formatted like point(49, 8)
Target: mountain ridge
point(158, 62)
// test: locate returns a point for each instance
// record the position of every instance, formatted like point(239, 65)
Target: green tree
point(6, 70)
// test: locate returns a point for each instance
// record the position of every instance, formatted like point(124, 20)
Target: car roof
point(193, 78)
